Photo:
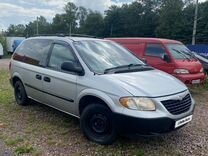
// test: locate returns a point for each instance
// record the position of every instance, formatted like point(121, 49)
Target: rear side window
point(156, 50)
point(33, 51)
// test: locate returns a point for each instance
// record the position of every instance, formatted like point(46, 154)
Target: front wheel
point(98, 125)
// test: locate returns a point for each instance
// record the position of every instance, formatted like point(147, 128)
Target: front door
point(60, 86)
point(153, 55)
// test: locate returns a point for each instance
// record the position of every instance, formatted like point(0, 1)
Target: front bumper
point(141, 126)
point(188, 78)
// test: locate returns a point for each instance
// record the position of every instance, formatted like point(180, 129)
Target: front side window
point(155, 50)
point(101, 55)
point(59, 55)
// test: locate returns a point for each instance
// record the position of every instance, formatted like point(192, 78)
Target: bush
point(3, 41)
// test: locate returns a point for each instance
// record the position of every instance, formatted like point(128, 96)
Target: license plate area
point(196, 81)
point(183, 121)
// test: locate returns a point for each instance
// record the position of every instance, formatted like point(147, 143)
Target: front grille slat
point(177, 107)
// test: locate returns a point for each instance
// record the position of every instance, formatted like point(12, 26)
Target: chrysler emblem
point(180, 97)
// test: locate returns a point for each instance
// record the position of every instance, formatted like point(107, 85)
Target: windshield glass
point(180, 52)
point(102, 55)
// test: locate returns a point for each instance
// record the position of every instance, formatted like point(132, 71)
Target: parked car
point(1, 51)
point(203, 60)
point(100, 82)
point(15, 44)
point(10, 41)
point(167, 55)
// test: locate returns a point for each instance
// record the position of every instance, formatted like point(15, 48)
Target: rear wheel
point(98, 125)
point(20, 94)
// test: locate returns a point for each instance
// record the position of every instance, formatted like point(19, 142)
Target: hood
point(193, 66)
point(152, 83)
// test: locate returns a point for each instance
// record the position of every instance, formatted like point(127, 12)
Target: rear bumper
point(142, 126)
point(188, 78)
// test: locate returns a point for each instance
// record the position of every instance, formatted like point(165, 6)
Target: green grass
point(199, 88)
point(24, 149)
point(13, 141)
point(36, 129)
point(6, 95)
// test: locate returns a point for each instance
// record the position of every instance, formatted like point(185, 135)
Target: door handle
point(47, 79)
point(39, 77)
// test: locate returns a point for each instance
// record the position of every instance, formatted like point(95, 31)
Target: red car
point(169, 56)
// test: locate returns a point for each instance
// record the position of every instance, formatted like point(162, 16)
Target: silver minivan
point(102, 83)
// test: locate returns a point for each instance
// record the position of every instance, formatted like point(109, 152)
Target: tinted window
point(33, 51)
point(155, 50)
point(59, 55)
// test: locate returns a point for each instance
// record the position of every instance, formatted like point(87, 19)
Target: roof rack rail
point(66, 35)
point(38, 35)
point(82, 35)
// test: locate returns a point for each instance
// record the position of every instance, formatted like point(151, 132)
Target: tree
point(136, 19)
point(3, 41)
point(15, 30)
point(44, 27)
point(171, 19)
point(94, 24)
point(81, 17)
point(70, 17)
point(59, 24)
point(66, 22)
point(202, 26)
point(188, 21)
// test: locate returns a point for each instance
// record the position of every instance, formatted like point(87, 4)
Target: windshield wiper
point(182, 53)
point(124, 67)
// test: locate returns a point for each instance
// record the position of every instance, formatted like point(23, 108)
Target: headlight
point(181, 71)
point(137, 103)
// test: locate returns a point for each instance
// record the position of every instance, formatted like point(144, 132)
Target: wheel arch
point(90, 96)
point(15, 78)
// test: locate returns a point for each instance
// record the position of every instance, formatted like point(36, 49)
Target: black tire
point(98, 125)
point(20, 94)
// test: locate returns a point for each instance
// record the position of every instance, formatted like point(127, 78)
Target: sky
point(24, 11)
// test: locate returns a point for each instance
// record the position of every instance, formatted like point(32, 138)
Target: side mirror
point(166, 58)
point(71, 67)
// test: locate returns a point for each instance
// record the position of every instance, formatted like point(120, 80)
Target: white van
point(102, 83)
point(1, 51)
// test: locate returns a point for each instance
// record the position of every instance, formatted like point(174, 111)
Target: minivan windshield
point(103, 55)
point(180, 52)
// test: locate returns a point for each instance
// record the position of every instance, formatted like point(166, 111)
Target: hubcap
point(19, 93)
point(98, 123)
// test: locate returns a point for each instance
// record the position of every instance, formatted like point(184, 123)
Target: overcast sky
point(23, 11)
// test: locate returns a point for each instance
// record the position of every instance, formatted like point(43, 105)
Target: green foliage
point(170, 19)
point(94, 24)
point(43, 27)
point(24, 149)
point(16, 30)
point(3, 41)
point(141, 18)
point(13, 141)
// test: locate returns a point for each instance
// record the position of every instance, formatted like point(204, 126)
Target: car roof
point(67, 38)
point(146, 40)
